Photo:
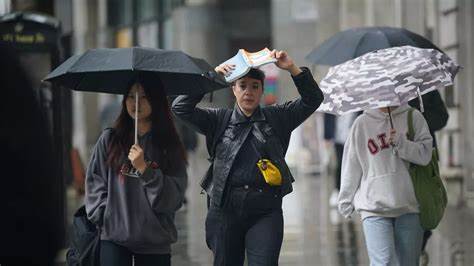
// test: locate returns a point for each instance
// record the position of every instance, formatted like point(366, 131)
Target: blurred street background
point(315, 234)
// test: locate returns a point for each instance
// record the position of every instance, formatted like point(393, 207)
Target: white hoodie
point(375, 180)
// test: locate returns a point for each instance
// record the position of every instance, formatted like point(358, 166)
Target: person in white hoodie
point(376, 183)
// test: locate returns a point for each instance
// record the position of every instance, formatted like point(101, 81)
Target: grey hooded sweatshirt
point(137, 213)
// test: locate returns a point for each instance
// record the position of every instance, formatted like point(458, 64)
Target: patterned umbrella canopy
point(388, 77)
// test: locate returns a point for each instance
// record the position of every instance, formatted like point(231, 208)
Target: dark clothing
point(274, 123)
point(426, 235)
point(137, 213)
point(251, 221)
point(333, 133)
point(245, 170)
point(31, 191)
point(339, 151)
point(249, 217)
point(329, 126)
point(435, 112)
point(187, 135)
point(112, 254)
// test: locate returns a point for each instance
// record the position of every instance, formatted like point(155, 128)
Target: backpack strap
point(411, 129)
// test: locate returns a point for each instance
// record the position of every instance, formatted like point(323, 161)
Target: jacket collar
point(239, 117)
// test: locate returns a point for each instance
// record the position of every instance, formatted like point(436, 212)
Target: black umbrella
point(352, 43)
point(114, 70)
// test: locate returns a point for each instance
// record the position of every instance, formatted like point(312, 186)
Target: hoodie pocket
point(389, 192)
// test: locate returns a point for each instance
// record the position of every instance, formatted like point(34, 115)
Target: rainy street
point(315, 234)
point(114, 110)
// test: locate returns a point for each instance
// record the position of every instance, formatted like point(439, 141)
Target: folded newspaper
point(245, 60)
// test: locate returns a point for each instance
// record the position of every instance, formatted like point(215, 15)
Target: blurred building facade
point(215, 29)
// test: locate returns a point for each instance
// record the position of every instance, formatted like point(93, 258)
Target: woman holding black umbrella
point(136, 211)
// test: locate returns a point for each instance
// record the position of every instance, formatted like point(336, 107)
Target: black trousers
point(112, 254)
point(251, 221)
point(339, 151)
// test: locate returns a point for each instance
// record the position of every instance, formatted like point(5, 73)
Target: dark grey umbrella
point(352, 43)
point(113, 70)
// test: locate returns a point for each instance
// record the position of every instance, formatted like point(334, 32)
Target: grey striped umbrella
point(388, 77)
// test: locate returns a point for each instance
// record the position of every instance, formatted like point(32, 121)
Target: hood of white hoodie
point(379, 115)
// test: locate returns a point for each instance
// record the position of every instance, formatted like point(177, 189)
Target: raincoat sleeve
point(295, 112)
point(96, 181)
point(420, 150)
point(165, 193)
point(351, 175)
point(203, 120)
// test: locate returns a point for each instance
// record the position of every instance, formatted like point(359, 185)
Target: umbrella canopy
point(355, 42)
point(388, 77)
point(114, 70)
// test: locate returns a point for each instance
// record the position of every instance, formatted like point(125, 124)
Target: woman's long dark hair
point(165, 138)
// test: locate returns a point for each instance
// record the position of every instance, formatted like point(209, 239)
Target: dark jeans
point(251, 221)
point(339, 151)
point(112, 254)
point(426, 235)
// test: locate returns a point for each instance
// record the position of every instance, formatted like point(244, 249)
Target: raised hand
point(284, 61)
point(224, 69)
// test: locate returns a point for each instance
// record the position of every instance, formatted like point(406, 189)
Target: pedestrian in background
point(245, 213)
point(336, 130)
point(136, 214)
point(376, 183)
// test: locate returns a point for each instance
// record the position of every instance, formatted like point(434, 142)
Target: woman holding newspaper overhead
point(248, 176)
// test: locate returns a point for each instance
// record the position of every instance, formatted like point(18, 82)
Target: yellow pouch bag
point(270, 172)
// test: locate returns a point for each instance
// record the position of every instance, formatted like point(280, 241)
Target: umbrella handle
point(420, 99)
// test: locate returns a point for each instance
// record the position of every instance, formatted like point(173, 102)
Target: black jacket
point(275, 123)
point(435, 112)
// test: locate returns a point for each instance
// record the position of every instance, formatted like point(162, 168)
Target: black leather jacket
point(275, 123)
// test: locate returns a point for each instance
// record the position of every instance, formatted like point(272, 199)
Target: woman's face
point(144, 107)
point(248, 93)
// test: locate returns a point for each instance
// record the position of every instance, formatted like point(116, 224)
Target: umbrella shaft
point(136, 117)
point(390, 116)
